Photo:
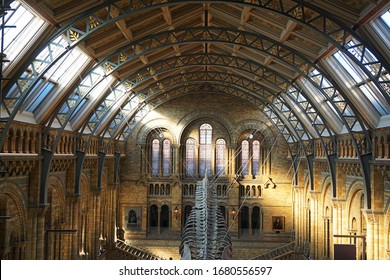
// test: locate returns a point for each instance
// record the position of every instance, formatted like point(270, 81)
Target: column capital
point(373, 217)
point(315, 196)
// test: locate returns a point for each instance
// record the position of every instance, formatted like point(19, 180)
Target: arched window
point(242, 191)
point(255, 157)
point(256, 218)
point(168, 189)
point(153, 218)
point(166, 157)
point(164, 216)
point(220, 157)
point(132, 219)
point(223, 211)
point(155, 157)
point(190, 157)
point(308, 222)
point(192, 190)
point(186, 190)
point(205, 149)
point(162, 189)
point(157, 189)
point(219, 190)
point(244, 217)
point(187, 211)
point(244, 157)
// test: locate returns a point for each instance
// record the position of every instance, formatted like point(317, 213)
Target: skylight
point(23, 26)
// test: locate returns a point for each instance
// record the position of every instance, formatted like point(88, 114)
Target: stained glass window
point(220, 157)
point(205, 149)
point(166, 157)
point(244, 157)
point(255, 157)
point(155, 156)
point(190, 157)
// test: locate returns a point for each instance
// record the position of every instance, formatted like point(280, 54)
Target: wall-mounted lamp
point(176, 211)
point(234, 212)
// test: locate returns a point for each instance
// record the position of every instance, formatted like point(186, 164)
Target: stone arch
point(326, 197)
point(56, 186)
point(104, 181)
point(356, 223)
point(224, 119)
point(12, 191)
point(84, 230)
point(255, 216)
point(13, 231)
point(152, 125)
point(353, 205)
point(255, 125)
point(84, 192)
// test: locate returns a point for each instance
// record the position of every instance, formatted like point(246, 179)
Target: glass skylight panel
point(17, 22)
point(67, 66)
point(386, 18)
point(40, 96)
point(42, 60)
point(101, 87)
point(347, 66)
point(366, 88)
point(361, 81)
point(26, 26)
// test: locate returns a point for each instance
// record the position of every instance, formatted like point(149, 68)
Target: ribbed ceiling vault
point(267, 53)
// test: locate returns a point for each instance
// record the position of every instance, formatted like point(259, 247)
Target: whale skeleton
point(205, 235)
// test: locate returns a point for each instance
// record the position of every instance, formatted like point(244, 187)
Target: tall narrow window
point(164, 217)
point(244, 217)
point(244, 157)
point(308, 222)
point(187, 211)
point(190, 157)
point(255, 157)
point(205, 149)
point(256, 218)
point(153, 216)
point(220, 157)
point(166, 157)
point(155, 157)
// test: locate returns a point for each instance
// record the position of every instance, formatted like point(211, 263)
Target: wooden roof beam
point(166, 13)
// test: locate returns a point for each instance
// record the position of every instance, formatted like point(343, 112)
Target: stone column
point(299, 215)
point(176, 160)
point(314, 249)
point(40, 237)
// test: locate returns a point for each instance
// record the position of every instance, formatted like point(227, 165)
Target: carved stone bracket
point(12, 167)
point(351, 168)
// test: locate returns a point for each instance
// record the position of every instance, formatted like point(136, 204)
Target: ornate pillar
point(299, 215)
point(314, 200)
point(142, 160)
point(176, 160)
point(40, 236)
point(373, 237)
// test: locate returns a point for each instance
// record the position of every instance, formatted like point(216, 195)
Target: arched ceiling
point(268, 53)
